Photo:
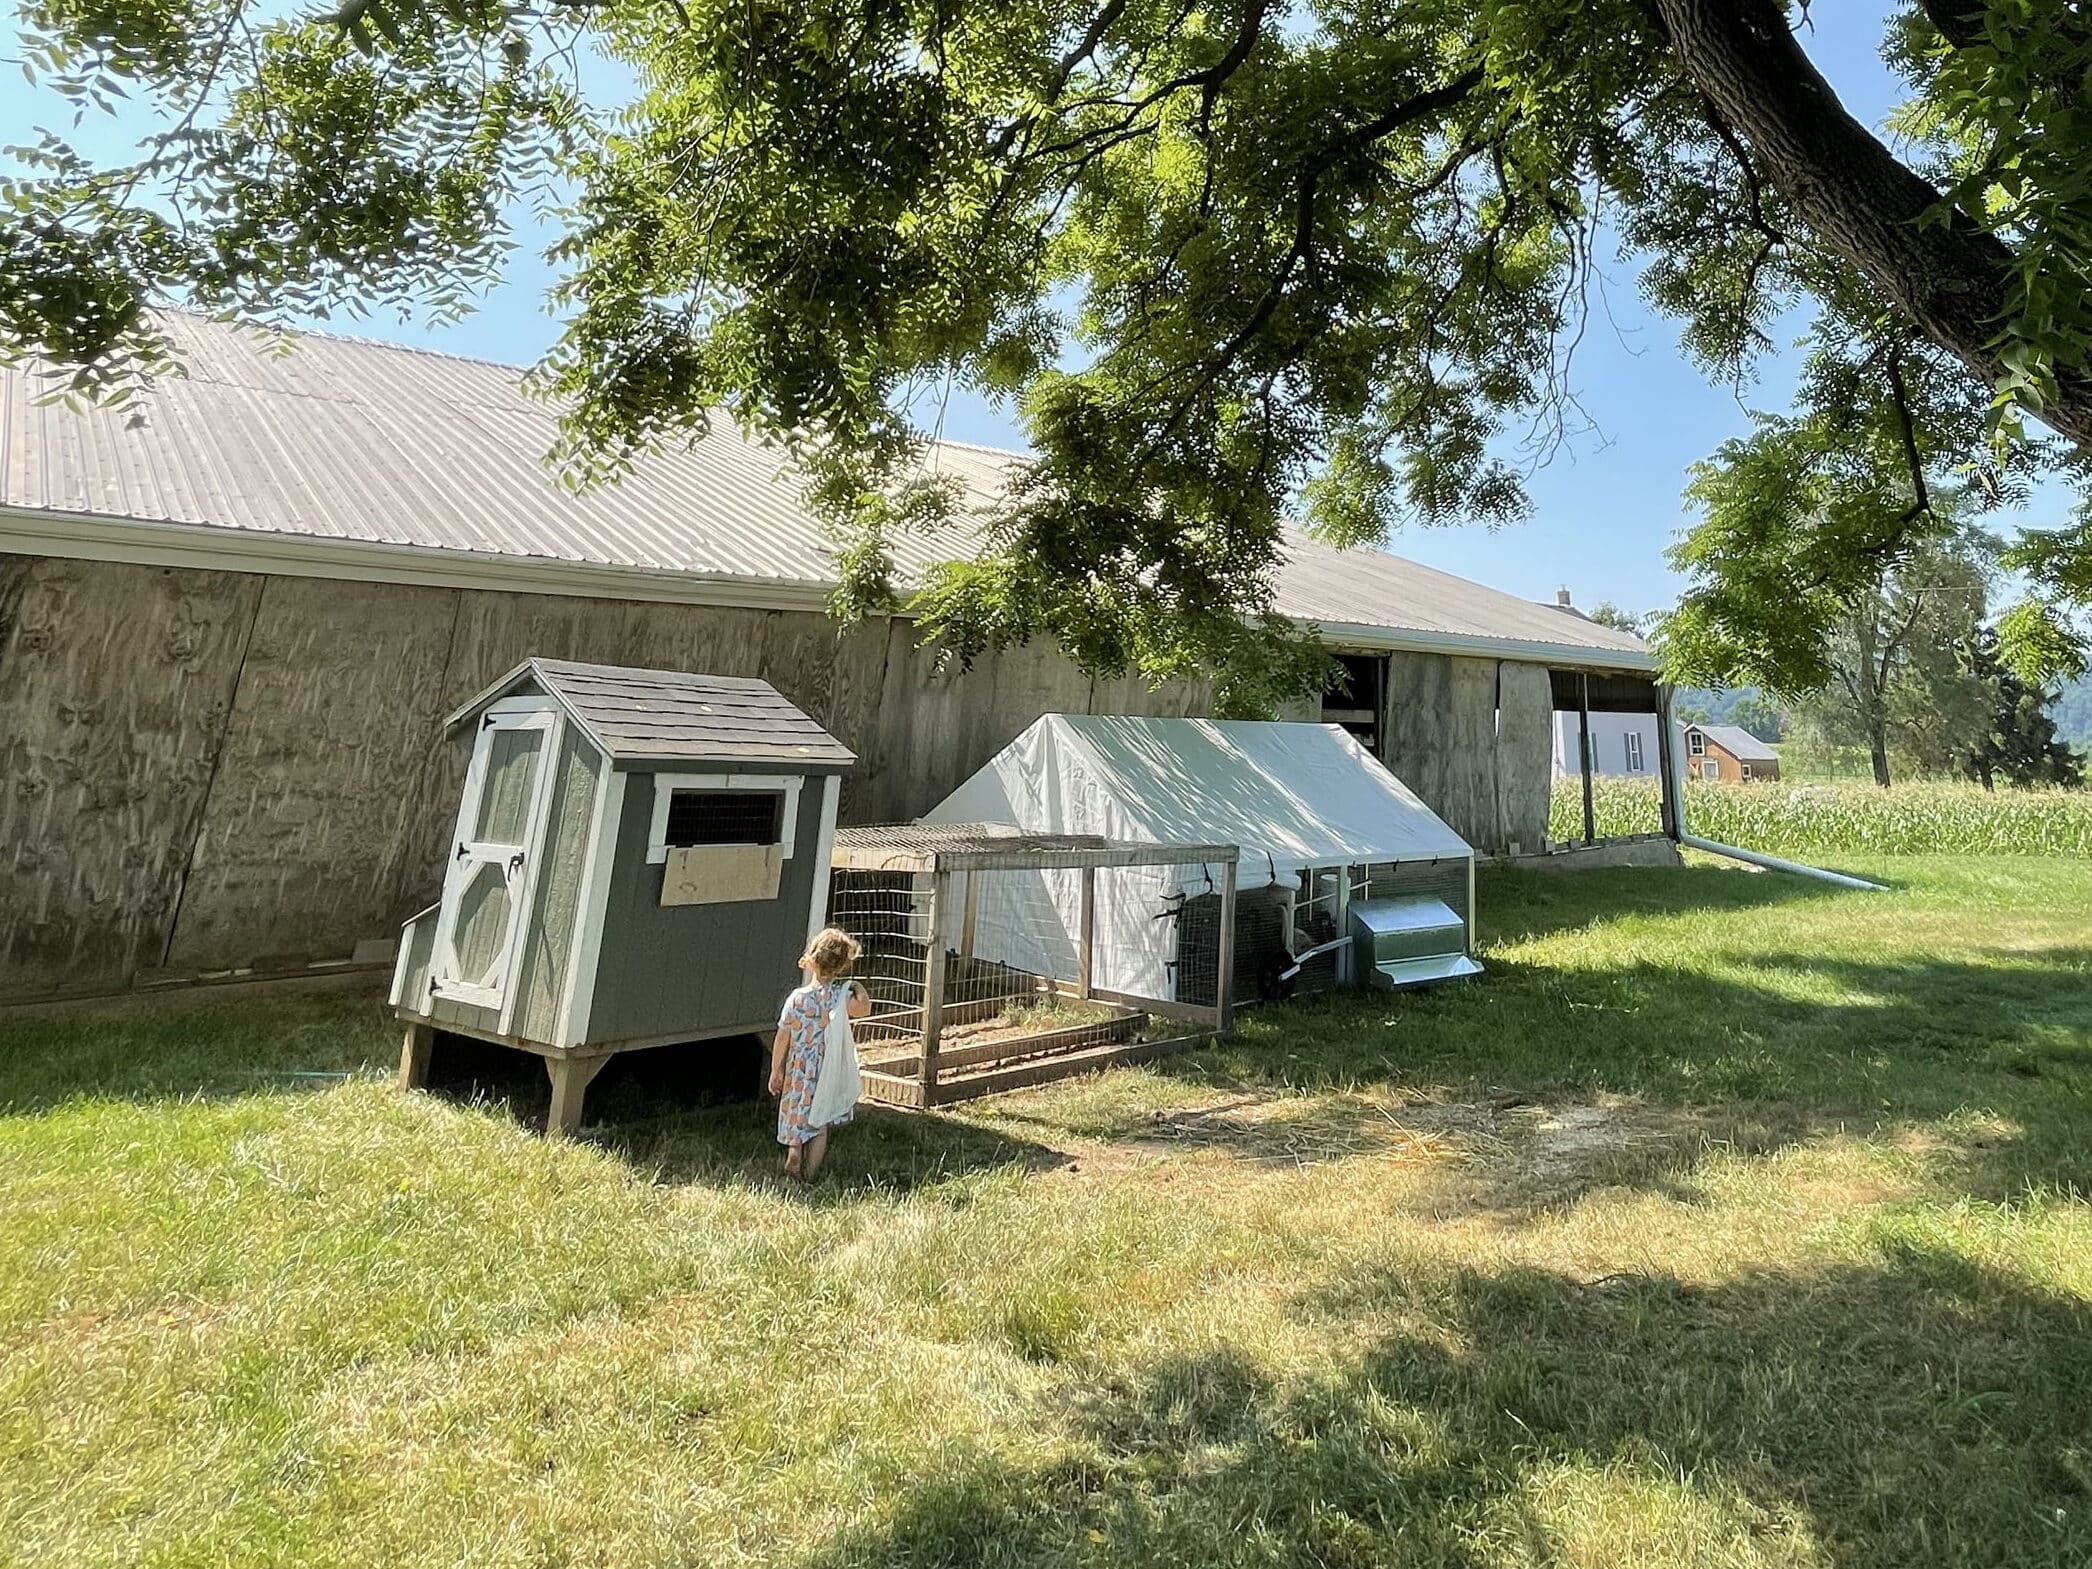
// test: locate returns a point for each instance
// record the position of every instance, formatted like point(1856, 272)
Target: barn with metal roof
point(236, 610)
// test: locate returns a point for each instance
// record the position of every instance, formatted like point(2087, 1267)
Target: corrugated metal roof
point(672, 716)
point(351, 441)
point(1738, 743)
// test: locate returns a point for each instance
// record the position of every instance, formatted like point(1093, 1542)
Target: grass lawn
point(1729, 1220)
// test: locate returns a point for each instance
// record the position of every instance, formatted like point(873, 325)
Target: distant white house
point(1623, 746)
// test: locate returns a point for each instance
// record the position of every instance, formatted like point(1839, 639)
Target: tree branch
point(1951, 280)
point(1955, 20)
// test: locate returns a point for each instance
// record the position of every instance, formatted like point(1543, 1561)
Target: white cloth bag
point(839, 1085)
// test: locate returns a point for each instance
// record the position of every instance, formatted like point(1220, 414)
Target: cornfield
point(1922, 818)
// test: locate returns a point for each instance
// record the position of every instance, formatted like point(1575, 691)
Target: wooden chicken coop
point(639, 859)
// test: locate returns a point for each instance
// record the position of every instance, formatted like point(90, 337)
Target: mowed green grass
point(1729, 1220)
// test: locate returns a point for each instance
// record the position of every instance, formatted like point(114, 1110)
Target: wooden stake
point(1667, 763)
point(972, 916)
point(1224, 981)
point(1583, 710)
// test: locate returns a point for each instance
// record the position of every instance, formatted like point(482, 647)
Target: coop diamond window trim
point(505, 852)
point(783, 788)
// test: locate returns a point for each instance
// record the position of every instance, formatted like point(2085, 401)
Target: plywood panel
point(492, 634)
point(701, 638)
point(918, 716)
point(1440, 739)
point(309, 820)
point(1417, 728)
point(939, 725)
point(1024, 684)
point(1524, 753)
point(115, 685)
point(1469, 767)
point(854, 714)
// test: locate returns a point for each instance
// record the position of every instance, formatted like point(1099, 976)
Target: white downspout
point(1690, 840)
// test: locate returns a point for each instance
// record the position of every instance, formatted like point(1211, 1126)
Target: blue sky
point(1606, 506)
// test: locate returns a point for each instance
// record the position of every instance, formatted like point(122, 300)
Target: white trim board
point(586, 956)
point(824, 856)
point(216, 548)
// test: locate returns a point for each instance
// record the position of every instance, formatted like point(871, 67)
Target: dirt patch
point(1506, 1142)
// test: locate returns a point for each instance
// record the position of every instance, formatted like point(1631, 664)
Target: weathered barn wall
point(115, 685)
point(311, 806)
point(162, 807)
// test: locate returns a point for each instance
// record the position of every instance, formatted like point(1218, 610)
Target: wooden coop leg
point(1224, 961)
point(571, 1077)
point(416, 1047)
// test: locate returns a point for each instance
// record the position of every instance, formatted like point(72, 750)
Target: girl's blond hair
point(830, 954)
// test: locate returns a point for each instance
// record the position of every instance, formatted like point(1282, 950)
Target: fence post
point(1667, 763)
point(972, 916)
point(1085, 942)
point(1224, 979)
point(933, 984)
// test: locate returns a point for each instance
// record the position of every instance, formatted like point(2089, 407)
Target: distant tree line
point(1916, 684)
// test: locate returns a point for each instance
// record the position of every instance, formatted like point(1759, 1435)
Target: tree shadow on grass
point(1913, 1407)
point(700, 1113)
point(1570, 1080)
point(212, 1049)
point(1517, 905)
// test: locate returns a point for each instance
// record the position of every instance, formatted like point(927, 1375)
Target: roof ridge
point(354, 340)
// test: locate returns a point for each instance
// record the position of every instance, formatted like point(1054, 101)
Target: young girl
point(802, 1037)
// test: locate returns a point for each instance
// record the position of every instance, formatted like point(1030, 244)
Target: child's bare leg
point(795, 1156)
point(816, 1152)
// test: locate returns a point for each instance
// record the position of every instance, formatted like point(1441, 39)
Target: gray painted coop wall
point(699, 969)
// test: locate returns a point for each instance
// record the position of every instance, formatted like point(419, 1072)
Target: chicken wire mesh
point(1012, 948)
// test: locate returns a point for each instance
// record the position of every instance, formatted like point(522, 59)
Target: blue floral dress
point(805, 1017)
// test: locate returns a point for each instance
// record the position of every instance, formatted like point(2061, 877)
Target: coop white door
point(501, 828)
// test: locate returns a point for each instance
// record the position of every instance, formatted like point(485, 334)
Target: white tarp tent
point(1295, 797)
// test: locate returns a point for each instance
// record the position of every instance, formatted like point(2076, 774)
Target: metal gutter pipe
point(1674, 769)
point(1774, 863)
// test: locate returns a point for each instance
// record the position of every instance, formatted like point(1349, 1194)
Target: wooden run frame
point(945, 851)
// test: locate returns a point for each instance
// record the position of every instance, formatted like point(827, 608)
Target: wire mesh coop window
point(705, 817)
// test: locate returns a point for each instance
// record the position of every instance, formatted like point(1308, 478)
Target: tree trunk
point(1874, 698)
point(1951, 281)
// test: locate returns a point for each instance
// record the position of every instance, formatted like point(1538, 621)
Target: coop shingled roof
point(673, 716)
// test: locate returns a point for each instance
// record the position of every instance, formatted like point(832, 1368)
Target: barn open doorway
point(1356, 697)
